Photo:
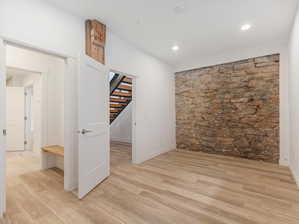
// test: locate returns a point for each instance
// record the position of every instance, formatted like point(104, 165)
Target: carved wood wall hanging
point(95, 40)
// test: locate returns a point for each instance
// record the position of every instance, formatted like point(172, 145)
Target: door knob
point(84, 131)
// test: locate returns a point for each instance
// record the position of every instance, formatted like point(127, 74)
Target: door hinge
point(4, 132)
point(25, 142)
point(25, 94)
point(25, 118)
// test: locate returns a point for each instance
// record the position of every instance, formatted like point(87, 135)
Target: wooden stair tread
point(125, 87)
point(54, 149)
point(118, 100)
point(115, 105)
point(114, 111)
point(116, 93)
point(127, 80)
point(120, 95)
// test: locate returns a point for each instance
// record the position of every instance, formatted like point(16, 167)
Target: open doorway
point(34, 113)
point(23, 108)
point(122, 106)
point(71, 94)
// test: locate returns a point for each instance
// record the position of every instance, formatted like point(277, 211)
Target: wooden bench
point(54, 149)
point(53, 156)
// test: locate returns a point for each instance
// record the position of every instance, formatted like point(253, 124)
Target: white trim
point(284, 110)
point(29, 116)
point(24, 70)
point(67, 125)
point(44, 103)
point(26, 45)
point(295, 175)
point(44, 122)
point(283, 162)
point(2, 126)
point(134, 123)
point(71, 125)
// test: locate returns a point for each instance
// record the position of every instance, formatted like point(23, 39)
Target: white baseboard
point(295, 175)
point(283, 162)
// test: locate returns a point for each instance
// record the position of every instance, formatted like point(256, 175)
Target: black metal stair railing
point(114, 84)
point(115, 81)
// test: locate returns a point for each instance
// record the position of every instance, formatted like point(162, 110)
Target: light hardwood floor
point(177, 187)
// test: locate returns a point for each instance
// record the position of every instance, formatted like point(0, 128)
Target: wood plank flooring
point(176, 187)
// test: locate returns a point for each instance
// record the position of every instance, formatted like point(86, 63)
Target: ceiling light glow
point(245, 27)
point(175, 48)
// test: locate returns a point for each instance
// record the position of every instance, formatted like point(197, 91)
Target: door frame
point(3, 126)
point(133, 102)
point(70, 128)
point(28, 117)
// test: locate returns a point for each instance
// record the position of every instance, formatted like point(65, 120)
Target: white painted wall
point(121, 128)
point(155, 90)
point(56, 30)
point(36, 23)
point(294, 97)
point(155, 99)
point(52, 70)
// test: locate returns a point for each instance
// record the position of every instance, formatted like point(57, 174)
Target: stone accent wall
point(230, 109)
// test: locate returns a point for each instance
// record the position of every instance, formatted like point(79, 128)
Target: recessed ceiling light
point(180, 7)
point(175, 48)
point(245, 27)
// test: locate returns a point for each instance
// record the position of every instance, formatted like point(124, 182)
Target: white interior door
point(2, 127)
point(15, 113)
point(94, 145)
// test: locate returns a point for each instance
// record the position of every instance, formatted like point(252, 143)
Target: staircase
point(120, 95)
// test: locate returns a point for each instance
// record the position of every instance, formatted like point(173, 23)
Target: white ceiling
point(199, 27)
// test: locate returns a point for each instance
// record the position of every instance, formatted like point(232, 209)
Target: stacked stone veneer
point(230, 109)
